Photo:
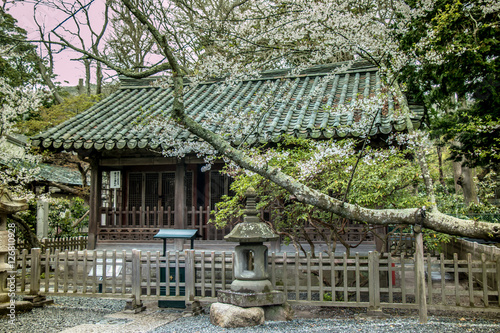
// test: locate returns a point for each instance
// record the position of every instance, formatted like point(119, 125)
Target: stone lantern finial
point(251, 230)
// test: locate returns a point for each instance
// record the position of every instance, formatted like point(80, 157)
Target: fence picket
point(84, 277)
point(320, 276)
point(94, 271)
point(403, 278)
point(201, 280)
point(358, 278)
point(177, 274)
point(391, 277)
point(148, 273)
point(47, 270)
point(75, 270)
point(223, 260)
point(429, 279)
point(56, 271)
point(485, 280)
point(136, 275)
point(345, 279)
point(23, 270)
point(35, 271)
point(285, 274)
point(104, 270)
point(202, 272)
point(66, 271)
point(158, 274)
point(124, 272)
point(297, 264)
point(212, 271)
point(470, 279)
point(113, 274)
point(308, 274)
point(333, 277)
point(443, 278)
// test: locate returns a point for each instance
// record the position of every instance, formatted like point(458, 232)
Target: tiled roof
point(110, 124)
point(59, 174)
point(47, 172)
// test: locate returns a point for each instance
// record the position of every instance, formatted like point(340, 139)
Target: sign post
point(114, 183)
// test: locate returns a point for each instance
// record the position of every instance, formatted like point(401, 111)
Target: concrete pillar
point(42, 219)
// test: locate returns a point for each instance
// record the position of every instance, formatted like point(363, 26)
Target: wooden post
point(136, 275)
point(180, 202)
point(35, 271)
point(420, 276)
point(135, 304)
point(95, 203)
point(180, 195)
point(374, 284)
point(190, 276)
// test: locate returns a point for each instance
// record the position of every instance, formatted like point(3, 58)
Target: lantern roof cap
point(251, 230)
point(9, 205)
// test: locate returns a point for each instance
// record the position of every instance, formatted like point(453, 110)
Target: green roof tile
point(302, 108)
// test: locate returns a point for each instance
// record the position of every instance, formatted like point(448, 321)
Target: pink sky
point(68, 71)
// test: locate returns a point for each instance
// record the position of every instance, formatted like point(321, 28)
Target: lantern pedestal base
point(248, 300)
point(251, 286)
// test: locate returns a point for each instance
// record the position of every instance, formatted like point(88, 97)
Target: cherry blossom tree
point(239, 39)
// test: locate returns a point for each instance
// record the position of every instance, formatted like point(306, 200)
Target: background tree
point(129, 43)
point(80, 29)
point(326, 167)
point(264, 35)
point(462, 86)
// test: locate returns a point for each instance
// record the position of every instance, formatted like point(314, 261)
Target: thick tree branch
point(434, 220)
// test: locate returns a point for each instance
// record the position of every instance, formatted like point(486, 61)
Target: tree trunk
point(48, 81)
point(468, 186)
point(457, 172)
point(98, 74)
point(87, 76)
point(441, 174)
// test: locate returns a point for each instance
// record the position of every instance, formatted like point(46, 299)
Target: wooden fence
point(371, 282)
point(142, 223)
point(67, 243)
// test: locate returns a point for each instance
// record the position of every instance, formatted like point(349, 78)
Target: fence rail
point(67, 243)
point(372, 282)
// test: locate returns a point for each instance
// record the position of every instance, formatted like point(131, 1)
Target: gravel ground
point(201, 324)
point(66, 312)
point(69, 312)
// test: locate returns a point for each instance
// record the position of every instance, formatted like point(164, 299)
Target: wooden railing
point(370, 282)
point(143, 224)
point(61, 244)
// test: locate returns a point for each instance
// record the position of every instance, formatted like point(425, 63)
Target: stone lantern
point(7, 206)
point(251, 286)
